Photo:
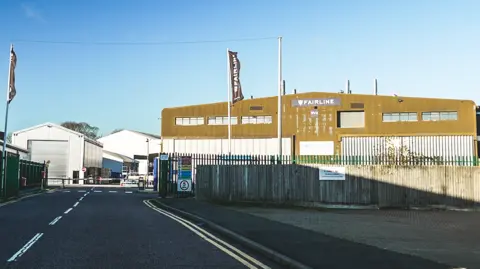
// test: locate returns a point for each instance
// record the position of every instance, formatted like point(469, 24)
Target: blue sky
point(414, 48)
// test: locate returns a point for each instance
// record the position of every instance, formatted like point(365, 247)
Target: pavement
point(307, 247)
point(109, 228)
point(445, 236)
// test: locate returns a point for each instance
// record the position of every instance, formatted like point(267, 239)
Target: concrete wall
point(383, 186)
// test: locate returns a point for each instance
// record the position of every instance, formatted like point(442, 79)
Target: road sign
point(184, 180)
point(84, 169)
point(184, 185)
point(164, 157)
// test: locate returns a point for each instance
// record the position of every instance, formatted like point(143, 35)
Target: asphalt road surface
point(108, 228)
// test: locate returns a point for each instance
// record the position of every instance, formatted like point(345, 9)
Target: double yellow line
point(232, 251)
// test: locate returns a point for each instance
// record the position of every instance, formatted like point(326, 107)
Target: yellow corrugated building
point(331, 123)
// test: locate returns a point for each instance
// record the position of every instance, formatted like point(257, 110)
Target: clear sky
point(414, 48)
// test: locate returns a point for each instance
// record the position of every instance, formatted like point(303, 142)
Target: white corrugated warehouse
point(132, 144)
point(68, 151)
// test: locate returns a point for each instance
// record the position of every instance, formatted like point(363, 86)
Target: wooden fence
point(383, 186)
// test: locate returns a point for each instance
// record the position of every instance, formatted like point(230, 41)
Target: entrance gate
point(176, 176)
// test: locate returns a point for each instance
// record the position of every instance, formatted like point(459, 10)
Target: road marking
point(55, 220)
point(75, 205)
point(128, 192)
point(66, 191)
point(68, 210)
point(212, 239)
point(112, 191)
point(81, 198)
point(25, 247)
point(82, 191)
point(85, 194)
point(97, 191)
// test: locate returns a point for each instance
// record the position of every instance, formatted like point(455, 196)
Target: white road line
point(128, 192)
point(55, 220)
point(81, 198)
point(212, 239)
point(66, 191)
point(68, 210)
point(75, 205)
point(112, 191)
point(97, 191)
point(85, 194)
point(82, 191)
point(25, 247)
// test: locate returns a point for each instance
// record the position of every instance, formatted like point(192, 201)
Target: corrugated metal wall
point(429, 146)
point(93, 155)
point(267, 146)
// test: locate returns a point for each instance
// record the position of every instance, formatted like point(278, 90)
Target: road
point(108, 228)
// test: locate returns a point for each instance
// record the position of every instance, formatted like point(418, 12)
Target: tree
point(83, 128)
point(9, 138)
point(117, 130)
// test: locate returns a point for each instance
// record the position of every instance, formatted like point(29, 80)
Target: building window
point(402, 116)
point(439, 116)
point(257, 120)
point(221, 120)
point(189, 121)
point(351, 119)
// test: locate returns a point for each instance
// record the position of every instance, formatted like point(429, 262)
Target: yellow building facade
point(331, 118)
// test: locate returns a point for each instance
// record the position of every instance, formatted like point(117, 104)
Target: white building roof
point(93, 141)
point(124, 158)
point(146, 135)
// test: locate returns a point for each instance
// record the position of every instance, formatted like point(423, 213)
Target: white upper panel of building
point(129, 143)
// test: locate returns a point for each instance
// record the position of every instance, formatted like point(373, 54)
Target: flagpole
point(279, 125)
point(4, 151)
point(229, 104)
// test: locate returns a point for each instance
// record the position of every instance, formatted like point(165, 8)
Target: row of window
point(221, 120)
point(426, 116)
point(351, 119)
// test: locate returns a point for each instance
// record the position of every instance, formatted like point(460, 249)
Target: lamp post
point(161, 182)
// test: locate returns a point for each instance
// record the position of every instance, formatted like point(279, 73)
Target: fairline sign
point(316, 102)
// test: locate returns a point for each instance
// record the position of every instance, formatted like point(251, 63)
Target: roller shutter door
point(54, 150)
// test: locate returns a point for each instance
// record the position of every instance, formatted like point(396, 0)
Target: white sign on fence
point(331, 173)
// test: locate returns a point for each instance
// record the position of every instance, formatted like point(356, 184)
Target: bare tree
point(117, 130)
point(83, 128)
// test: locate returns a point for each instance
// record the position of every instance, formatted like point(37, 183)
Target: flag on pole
point(237, 94)
point(12, 91)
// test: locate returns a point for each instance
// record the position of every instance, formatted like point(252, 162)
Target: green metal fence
point(225, 159)
point(30, 174)
point(20, 174)
point(384, 160)
point(11, 185)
